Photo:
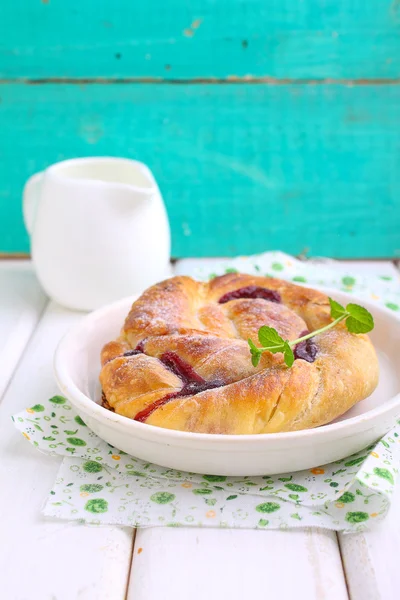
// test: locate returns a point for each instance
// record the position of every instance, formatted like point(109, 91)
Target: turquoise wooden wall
point(267, 124)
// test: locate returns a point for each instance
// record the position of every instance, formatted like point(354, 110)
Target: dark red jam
point(138, 350)
point(146, 412)
point(251, 291)
point(140, 346)
point(193, 384)
point(180, 367)
point(132, 352)
point(306, 350)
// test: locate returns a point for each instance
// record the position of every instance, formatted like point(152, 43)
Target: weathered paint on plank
point(203, 38)
point(242, 168)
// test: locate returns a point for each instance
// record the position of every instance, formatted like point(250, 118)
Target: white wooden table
point(45, 559)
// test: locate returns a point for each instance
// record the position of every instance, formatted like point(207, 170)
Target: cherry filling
point(192, 383)
point(138, 350)
point(132, 352)
point(181, 368)
point(146, 412)
point(251, 291)
point(306, 350)
point(140, 346)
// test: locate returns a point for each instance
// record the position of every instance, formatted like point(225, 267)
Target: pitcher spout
point(141, 182)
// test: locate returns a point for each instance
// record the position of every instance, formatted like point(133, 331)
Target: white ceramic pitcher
point(99, 230)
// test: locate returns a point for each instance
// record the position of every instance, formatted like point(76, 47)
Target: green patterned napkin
point(101, 485)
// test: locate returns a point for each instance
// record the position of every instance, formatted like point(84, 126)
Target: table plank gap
point(130, 563)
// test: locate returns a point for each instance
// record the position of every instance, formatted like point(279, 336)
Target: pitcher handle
point(30, 200)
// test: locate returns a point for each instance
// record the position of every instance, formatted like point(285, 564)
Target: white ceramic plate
point(77, 367)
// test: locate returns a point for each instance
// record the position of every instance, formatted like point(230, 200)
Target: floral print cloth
point(99, 484)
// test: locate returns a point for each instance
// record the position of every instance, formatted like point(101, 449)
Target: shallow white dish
point(77, 367)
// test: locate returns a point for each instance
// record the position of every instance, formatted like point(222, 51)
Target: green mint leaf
point(360, 320)
point(337, 310)
point(270, 339)
point(252, 345)
point(288, 355)
point(255, 353)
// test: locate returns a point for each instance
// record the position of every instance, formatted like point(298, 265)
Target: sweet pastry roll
point(182, 360)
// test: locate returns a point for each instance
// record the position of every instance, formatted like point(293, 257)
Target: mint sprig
point(357, 318)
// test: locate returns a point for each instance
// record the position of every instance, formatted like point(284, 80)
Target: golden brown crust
point(183, 318)
point(112, 350)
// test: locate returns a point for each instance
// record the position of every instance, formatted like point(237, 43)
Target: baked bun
point(183, 362)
